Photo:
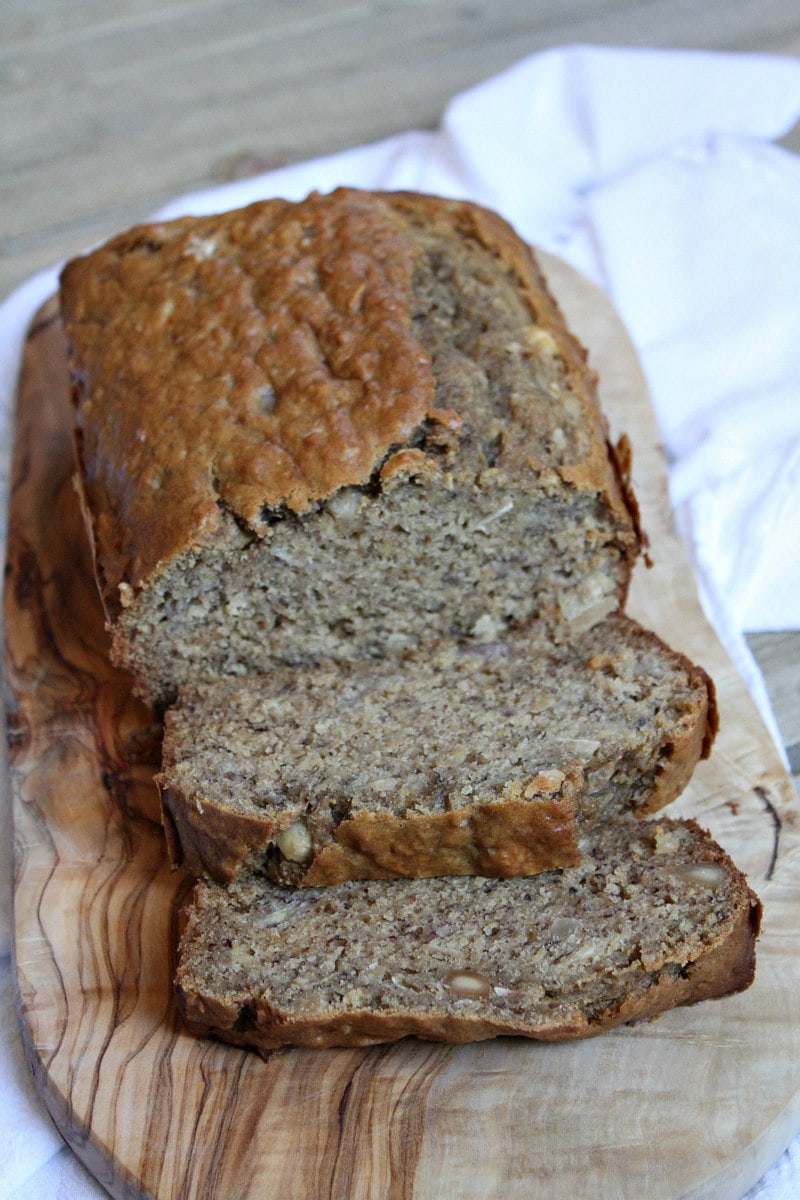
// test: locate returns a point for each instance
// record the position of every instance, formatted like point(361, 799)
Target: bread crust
point(506, 837)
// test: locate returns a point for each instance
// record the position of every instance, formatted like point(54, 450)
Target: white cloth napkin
point(654, 173)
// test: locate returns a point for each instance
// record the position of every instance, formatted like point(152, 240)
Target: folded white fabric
point(653, 173)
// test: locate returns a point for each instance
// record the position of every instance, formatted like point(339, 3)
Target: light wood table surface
point(110, 108)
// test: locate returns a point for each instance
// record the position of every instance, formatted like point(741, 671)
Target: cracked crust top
point(281, 338)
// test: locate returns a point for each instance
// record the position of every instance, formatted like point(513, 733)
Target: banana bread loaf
point(491, 759)
point(655, 916)
point(328, 429)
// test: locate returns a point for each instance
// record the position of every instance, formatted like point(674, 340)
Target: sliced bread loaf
point(492, 759)
point(333, 429)
point(655, 916)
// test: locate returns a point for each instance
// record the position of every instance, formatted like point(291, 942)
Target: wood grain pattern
point(696, 1104)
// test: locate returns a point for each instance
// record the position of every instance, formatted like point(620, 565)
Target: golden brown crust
point(238, 328)
point(281, 337)
point(502, 838)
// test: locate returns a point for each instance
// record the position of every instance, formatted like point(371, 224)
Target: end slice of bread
point(655, 916)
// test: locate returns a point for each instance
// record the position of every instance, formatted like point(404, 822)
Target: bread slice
point(655, 916)
point(335, 428)
point(492, 759)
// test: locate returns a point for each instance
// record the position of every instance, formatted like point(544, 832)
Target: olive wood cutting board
point(696, 1104)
